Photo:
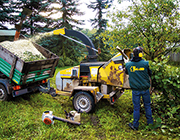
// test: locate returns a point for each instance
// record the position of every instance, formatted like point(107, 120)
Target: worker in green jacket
point(139, 80)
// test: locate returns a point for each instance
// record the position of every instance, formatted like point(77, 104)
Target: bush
point(166, 80)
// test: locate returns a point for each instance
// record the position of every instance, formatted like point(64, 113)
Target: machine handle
point(123, 54)
point(66, 120)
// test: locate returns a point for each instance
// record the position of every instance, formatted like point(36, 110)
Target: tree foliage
point(43, 16)
point(43, 20)
point(5, 14)
point(11, 14)
point(165, 78)
point(37, 23)
point(69, 52)
point(166, 85)
point(68, 9)
point(153, 24)
point(101, 7)
point(100, 23)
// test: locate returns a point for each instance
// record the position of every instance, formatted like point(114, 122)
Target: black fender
point(6, 84)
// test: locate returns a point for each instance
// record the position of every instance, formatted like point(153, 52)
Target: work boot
point(132, 127)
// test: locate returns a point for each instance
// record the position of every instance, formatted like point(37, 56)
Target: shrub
point(165, 78)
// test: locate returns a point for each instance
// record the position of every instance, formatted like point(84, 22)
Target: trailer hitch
point(48, 89)
point(73, 117)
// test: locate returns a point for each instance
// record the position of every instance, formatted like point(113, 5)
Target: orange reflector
point(113, 99)
point(16, 87)
point(84, 76)
point(44, 81)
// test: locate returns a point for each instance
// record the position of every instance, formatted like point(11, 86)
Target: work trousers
point(136, 97)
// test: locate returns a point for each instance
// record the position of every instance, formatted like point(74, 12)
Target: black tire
point(84, 102)
point(3, 93)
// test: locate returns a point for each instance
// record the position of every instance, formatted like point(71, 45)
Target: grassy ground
point(20, 118)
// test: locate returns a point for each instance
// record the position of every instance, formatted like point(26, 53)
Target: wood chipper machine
point(92, 81)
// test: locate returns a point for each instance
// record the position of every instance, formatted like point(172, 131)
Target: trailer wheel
point(3, 93)
point(84, 102)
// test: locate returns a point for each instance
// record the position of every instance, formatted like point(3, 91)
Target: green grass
point(20, 118)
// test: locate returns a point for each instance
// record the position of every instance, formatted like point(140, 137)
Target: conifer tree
point(5, 14)
point(11, 14)
point(69, 9)
point(100, 6)
point(68, 51)
point(100, 23)
point(37, 22)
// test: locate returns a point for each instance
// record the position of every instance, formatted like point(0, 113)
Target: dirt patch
point(94, 120)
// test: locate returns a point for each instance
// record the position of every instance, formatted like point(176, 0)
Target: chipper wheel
point(3, 93)
point(84, 102)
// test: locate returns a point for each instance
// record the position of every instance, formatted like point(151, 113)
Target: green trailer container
point(18, 77)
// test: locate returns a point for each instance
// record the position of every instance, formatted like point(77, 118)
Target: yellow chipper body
point(92, 81)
